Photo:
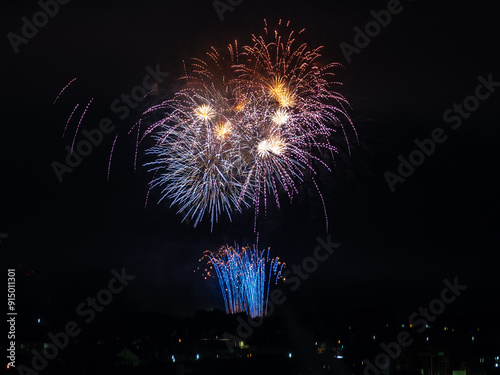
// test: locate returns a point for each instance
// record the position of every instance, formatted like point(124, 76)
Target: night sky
point(396, 247)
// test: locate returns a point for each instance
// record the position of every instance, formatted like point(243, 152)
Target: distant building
point(128, 358)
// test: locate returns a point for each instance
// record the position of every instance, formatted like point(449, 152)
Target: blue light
point(197, 356)
point(289, 355)
point(244, 277)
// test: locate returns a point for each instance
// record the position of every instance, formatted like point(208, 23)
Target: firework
point(244, 276)
point(63, 89)
point(249, 125)
point(196, 160)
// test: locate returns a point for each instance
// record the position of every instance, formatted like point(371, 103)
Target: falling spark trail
point(79, 122)
point(69, 119)
point(322, 201)
point(111, 156)
point(64, 88)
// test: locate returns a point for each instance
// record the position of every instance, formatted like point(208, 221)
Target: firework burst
point(248, 125)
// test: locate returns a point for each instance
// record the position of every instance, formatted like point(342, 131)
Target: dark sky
point(397, 248)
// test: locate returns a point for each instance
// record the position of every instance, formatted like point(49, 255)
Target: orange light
point(281, 93)
point(239, 105)
point(180, 340)
point(222, 129)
